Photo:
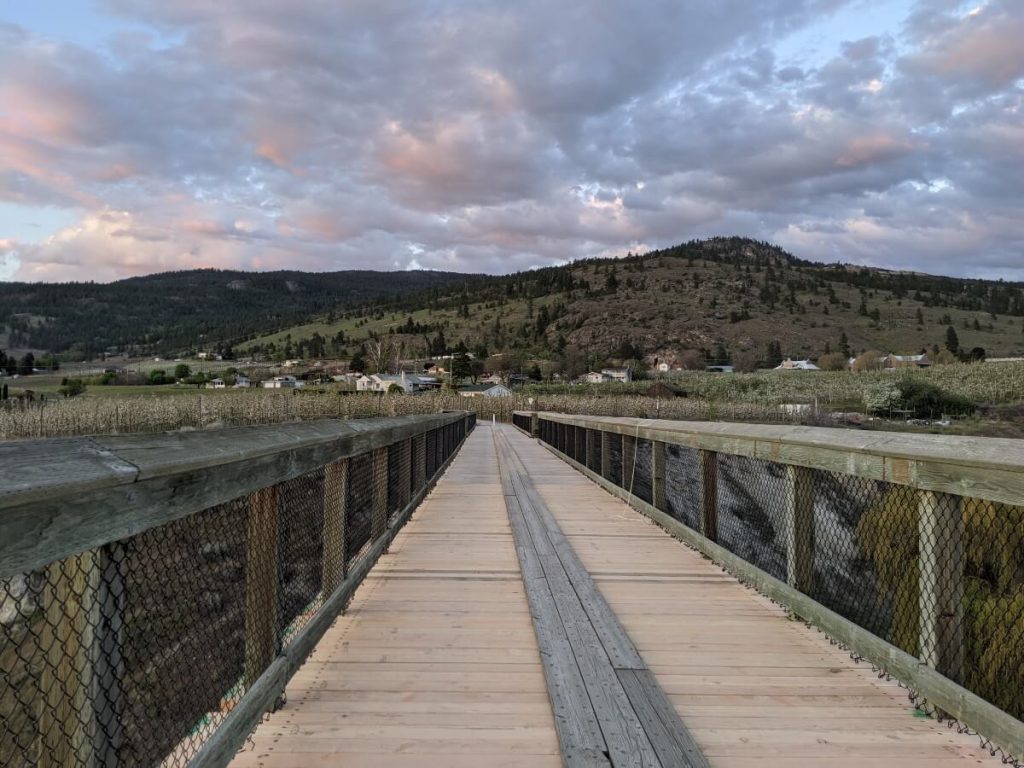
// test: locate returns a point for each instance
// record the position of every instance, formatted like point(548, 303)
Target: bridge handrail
point(158, 591)
point(910, 515)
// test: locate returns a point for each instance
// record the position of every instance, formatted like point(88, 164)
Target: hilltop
point(714, 297)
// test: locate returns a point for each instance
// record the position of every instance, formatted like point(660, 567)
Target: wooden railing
point(158, 591)
point(929, 530)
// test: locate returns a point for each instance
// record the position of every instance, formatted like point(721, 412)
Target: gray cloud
point(493, 137)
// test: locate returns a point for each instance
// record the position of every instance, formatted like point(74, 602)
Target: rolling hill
point(716, 296)
point(178, 311)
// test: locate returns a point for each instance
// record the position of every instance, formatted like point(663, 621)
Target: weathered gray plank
point(670, 738)
point(126, 486)
point(627, 743)
point(30, 469)
point(979, 467)
point(579, 734)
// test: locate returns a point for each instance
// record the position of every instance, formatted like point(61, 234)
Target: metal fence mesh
point(939, 576)
point(133, 653)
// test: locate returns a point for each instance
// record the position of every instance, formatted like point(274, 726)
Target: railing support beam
point(941, 582)
point(707, 462)
point(658, 497)
point(800, 528)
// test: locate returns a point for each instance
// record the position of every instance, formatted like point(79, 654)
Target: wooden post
point(606, 455)
point(592, 438)
point(379, 512)
point(534, 425)
point(800, 528)
point(658, 500)
point(106, 657)
point(406, 473)
point(707, 463)
point(941, 582)
point(261, 554)
point(419, 462)
point(65, 642)
point(628, 461)
point(335, 511)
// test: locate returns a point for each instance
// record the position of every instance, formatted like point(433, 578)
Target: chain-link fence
point(134, 652)
point(939, 576)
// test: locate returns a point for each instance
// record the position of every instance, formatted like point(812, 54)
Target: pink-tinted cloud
point(486, 136)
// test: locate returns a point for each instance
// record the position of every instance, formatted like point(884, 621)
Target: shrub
point(882, 396)
point(834, 361)
point(925, 399)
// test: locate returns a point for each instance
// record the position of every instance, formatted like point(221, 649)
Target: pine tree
point(952, 340)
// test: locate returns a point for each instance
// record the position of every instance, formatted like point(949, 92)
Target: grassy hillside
point(176, 311)
point(719, 297)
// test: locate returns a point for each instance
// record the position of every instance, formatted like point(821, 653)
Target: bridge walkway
point(437, 661)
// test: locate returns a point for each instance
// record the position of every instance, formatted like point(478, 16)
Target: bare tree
point(381, 354)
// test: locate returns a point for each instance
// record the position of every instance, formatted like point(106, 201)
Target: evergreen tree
point(952, 340)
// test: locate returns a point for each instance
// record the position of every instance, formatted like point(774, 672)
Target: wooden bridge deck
point(436, 662)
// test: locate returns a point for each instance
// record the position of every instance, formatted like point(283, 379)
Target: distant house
point(624, 375)
point(664, 367)
point(906, 361)
point(409, 383)
point(283, 382)
point(485, 390)
point(719, 368)
point(215, 384)
point(790, 364)
point(242, 381)
point(595, 377)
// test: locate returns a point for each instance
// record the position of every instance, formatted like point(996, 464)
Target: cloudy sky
point(144, 135)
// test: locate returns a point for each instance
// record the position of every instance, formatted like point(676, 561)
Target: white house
point(215, 384)
point(595, 377)
point(408, 382)
point(625, 375)
point(485, 390)
point(789, 364)
point(242, 381)
point(664, 367)
point(283, 382)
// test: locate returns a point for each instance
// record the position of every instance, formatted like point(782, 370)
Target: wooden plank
point(670, 738)
point(128, 484)
point(976, 467)
point(606, 453)
point(579, 732)
point(597, 638)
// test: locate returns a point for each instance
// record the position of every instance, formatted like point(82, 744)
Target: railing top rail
point(64, 495)
point(980, 467)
